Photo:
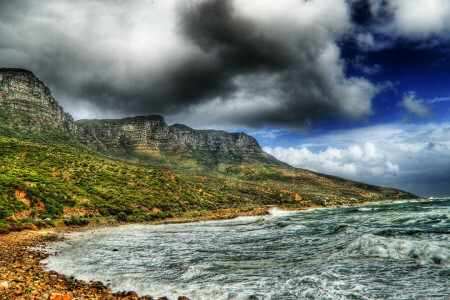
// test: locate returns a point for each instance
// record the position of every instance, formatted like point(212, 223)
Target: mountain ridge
point(140, 137)
point(140, 168)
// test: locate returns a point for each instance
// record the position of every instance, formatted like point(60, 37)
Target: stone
point(25, 102)
point(133, 294)
point(28, 102)
point(66, 297)
point(216, 141)
point(4, 285)
point(55, 296)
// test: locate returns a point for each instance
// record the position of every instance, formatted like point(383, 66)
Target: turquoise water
point(384, 251)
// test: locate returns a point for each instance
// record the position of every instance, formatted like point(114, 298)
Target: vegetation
point(46, 173)
point(46, 181)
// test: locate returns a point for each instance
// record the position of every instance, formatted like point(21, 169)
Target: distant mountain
point(149, 139)
point(231, 166)
point(27, 105)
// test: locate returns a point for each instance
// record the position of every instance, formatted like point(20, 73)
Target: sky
point(353, 88)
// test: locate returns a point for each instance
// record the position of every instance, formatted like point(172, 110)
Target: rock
point(4, 285)
point(183, 298)
point(29, 102)
point(216, 141)
point(152, 134)
point(66, 297)
point(163, 298)
point(133, 294)
point(55, 297)
point(26, 102)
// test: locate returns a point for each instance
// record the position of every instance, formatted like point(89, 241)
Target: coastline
point(23, 276)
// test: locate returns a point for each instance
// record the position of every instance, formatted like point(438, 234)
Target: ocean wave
point(423, 252)
point(324, 286)
point(276, 212)
point(365, 209)
point(412, 233)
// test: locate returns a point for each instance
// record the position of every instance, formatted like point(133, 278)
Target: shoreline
point(24, 276)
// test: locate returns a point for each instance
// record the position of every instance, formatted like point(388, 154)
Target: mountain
point(149, 139)
point(141, 166)
point(27, 106)
point(27, 102)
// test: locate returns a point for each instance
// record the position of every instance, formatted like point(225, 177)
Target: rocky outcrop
point(216, 141)
point(26, 101)
point(140, 134)
point(151, 133)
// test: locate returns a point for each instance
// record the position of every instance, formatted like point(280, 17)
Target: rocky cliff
point(140, 134)
point(27, 103)
point(152, 134)
point(216, 141)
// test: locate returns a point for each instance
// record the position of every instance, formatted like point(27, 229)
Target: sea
point(395, 250)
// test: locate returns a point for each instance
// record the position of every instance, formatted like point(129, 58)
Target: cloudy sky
point(354, 88)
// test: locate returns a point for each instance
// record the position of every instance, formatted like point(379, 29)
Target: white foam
point(401, 249)
point(365, 209)
point(276, 212)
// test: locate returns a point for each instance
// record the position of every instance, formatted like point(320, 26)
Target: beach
point(24, 276)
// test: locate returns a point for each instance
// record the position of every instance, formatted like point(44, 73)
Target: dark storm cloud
point(370, 12)
point(102, 58)
point(305, 83)
point(238, 42)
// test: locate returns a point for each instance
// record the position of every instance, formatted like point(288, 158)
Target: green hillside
point(139, 168)
point(40, 181)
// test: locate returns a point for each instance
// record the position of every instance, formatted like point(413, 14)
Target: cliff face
point(140, 134)
point(27, 102)
point(152, 134)
point(216, 141)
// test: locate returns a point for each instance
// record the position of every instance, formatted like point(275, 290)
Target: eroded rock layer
point(216, 141)
point(27, 102)
point(145, 133)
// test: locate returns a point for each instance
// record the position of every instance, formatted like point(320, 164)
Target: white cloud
point(414, 19)
point(416, 107)
point(356, 162)
point(421, 18)
point(267, 134)
point(415, 158)
point(440, 99)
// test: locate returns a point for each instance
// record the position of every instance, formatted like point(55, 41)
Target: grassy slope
point(318, 188)
point(45, 180)
point(265, 171)
point(46, 173)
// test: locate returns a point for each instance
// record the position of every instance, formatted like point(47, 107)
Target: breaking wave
point(424, 252)
point(385, 251)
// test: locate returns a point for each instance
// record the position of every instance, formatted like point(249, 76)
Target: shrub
point(76, 221)
point(122, 217)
